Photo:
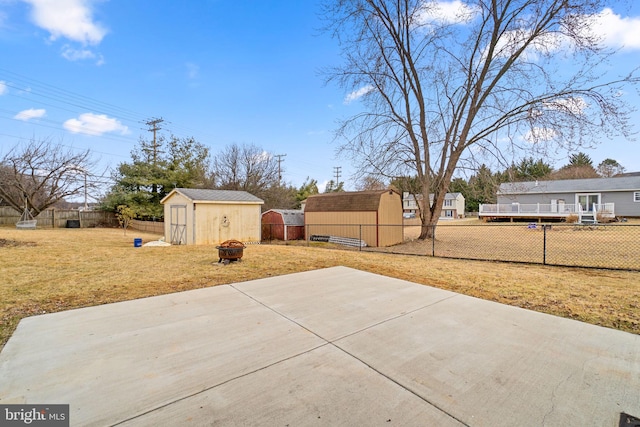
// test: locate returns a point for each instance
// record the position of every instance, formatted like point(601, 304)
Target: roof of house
point(345, 201)
point(200, 195)
point(289, 216)
point(447, 196)
point(627, 183)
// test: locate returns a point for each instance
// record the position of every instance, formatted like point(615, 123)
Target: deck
point(542, 211)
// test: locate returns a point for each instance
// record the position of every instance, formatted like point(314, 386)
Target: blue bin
point(137, 242)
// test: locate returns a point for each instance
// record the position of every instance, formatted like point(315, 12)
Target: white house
point(585, 198)
point(453, 205)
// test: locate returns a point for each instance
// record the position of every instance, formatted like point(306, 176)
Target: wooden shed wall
point(272, 226)
point(390, 220)
point(217, 222)
point(204, 223)
point(343, 224)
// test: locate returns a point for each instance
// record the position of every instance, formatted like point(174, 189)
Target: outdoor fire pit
point(230, 250)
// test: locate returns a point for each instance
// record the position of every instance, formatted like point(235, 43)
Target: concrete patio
point(328, 347)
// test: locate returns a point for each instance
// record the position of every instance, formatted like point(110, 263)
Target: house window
point(448, 203)
point(636, 196)
point(448, 214)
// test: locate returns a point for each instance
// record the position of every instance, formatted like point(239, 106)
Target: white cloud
point(3, 87)
point(511, 41)
point(73, 54)
point(29, 114)
point(575, 106)
point(357, 94)
point(538, 134)
point(446, 12)
point(76, 54)
point(322, 186)
point(95, 124)
point(617, 31)
point(71, 19)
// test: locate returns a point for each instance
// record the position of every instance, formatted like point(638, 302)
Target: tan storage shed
point(372, 216)
point(209, 217)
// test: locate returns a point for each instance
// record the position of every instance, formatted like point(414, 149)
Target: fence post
point(360, 244)
point(544, 244)
point(433, 240)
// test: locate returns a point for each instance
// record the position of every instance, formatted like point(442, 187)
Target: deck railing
point(542, 209)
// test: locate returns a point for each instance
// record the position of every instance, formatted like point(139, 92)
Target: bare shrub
point(572, 219)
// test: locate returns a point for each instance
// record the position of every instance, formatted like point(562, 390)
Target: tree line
point(39, 174)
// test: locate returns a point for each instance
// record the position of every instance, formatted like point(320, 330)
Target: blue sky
point(90, 73)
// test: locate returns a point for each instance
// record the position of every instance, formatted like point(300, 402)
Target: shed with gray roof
point(283, 224)
point(209, 217)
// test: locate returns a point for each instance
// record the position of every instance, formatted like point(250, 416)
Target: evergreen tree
point(154, 172)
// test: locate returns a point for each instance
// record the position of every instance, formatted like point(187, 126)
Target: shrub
point(572, 219)
point(604, 218)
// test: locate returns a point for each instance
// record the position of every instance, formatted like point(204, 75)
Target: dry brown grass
point(605, 246)
point(48, 270)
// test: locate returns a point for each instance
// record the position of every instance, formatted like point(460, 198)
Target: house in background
point(208, 217)
point(374, 217)
point(283, 224)
point(588, 199)
point(453, 205)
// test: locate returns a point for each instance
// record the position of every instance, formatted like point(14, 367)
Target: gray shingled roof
point(447, 196)
point(204, 195)
point(630, 183)
point(290, 216)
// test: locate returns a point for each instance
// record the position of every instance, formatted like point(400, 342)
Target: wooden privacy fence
point(156, 227)
point(57, 218)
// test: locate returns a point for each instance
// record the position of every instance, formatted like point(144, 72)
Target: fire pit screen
point(230, 250)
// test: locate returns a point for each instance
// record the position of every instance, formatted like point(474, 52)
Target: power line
point(59, 97)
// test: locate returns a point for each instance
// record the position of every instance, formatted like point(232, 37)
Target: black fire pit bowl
point(230, 250)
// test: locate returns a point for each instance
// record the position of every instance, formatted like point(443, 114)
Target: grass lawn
point(48, 270)
point(606, 246)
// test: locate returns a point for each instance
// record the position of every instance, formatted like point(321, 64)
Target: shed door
point(178, 220)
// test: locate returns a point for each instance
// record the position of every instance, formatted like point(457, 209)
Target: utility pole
point(337, 170)
point(153, 123)
point(280, 156)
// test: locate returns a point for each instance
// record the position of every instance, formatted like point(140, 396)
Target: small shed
point(372, 216)
point(283, 224)
point(209, 217)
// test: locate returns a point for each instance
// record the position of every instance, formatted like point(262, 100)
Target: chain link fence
point(611, 246)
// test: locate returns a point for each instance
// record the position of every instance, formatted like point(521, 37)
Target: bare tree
point(247, 167)
point(41, 173)
point(369, 182)
point(444, 90)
